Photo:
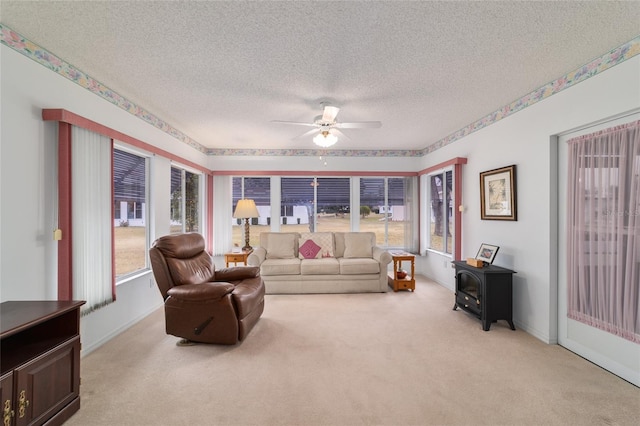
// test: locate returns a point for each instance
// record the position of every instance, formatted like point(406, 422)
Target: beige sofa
point(321, 262)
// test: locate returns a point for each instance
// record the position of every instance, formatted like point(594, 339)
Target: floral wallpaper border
point(31, 50)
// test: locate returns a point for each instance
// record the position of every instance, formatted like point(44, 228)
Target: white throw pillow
point(357, 245)
point(280, 246)
point(323, 239)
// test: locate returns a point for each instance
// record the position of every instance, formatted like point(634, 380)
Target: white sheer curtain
point(222, 215)
point(92, 221)
point(411, 232)
point(603, 258)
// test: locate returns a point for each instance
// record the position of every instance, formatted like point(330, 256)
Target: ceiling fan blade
point(298, 123)
point(329, 114)
point(340, 134)
point(309, 133)
point(360, 125)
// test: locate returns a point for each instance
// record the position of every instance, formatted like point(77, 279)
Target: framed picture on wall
point(498, 194)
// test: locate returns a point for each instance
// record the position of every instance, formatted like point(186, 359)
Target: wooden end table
point(236, 258)
point(408, 282)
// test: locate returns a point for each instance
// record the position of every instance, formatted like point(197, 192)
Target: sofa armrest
point(200, 292)
point(236, 273)
point(257, 256)
point(382, 256)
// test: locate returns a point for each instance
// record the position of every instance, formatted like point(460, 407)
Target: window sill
point(133, 276)
point(440, 253)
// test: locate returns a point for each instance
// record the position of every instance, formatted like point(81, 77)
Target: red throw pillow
point(309, 249)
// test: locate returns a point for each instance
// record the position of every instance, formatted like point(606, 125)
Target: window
point(130, 200)
point(441, 211)
point(384, 210)
point(323, 204)
point(185, 201)
point(374, 208)
point(333, 197)
point(312, 204)
point(399, 214)
point(297, 197)
point(259, 190)
point(106, 202)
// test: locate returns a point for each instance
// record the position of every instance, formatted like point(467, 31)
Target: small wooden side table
point(408, 282)
point(236, 258)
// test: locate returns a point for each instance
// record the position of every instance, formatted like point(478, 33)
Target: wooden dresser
point(40, 361)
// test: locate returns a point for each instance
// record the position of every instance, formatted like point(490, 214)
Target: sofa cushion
point(308, 249)
point(357, 266)
point(358, 245)
point(324, 266)
point(322, 239)
point(281, 246)
point(280, 267)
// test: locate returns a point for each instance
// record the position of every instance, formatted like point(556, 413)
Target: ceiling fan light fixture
point(325, 139)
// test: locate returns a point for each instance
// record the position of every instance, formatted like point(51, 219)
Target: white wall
point(528, 245)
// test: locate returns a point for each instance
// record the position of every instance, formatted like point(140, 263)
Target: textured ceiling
point(220, 72)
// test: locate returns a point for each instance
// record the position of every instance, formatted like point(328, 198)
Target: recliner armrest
point(236, 273)
point(200, 292)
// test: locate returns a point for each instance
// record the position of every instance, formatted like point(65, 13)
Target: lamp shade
point(246, 208)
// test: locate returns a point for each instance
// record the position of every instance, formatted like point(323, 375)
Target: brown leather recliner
point(200, 303)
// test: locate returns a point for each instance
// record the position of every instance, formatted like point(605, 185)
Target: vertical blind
point(92, 221)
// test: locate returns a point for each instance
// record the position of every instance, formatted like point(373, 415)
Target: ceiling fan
point(328, 129)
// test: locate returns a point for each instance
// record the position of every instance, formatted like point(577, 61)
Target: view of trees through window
point(310, 204)
point(441, 196)
point(323, 204)
point(130, 212)
point(185, 210)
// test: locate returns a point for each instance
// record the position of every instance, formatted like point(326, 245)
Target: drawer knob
point(466, 298)
point(23, 403)
point(7, 413)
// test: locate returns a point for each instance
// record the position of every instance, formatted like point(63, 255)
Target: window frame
point(354, 198)
point(447, 220)
point(457, 206)
point(387, 201)
point(183, 204)
point(120, 279)
point(65, 120)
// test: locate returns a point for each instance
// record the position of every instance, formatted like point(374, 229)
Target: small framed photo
point(498, 194)
point(487, 253)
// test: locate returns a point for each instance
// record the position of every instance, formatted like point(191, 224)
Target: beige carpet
point(365, 359)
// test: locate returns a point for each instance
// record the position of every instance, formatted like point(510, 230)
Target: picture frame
point(487, 253)
point(498, 194)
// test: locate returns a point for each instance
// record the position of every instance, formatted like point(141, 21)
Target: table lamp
point(246, 209)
